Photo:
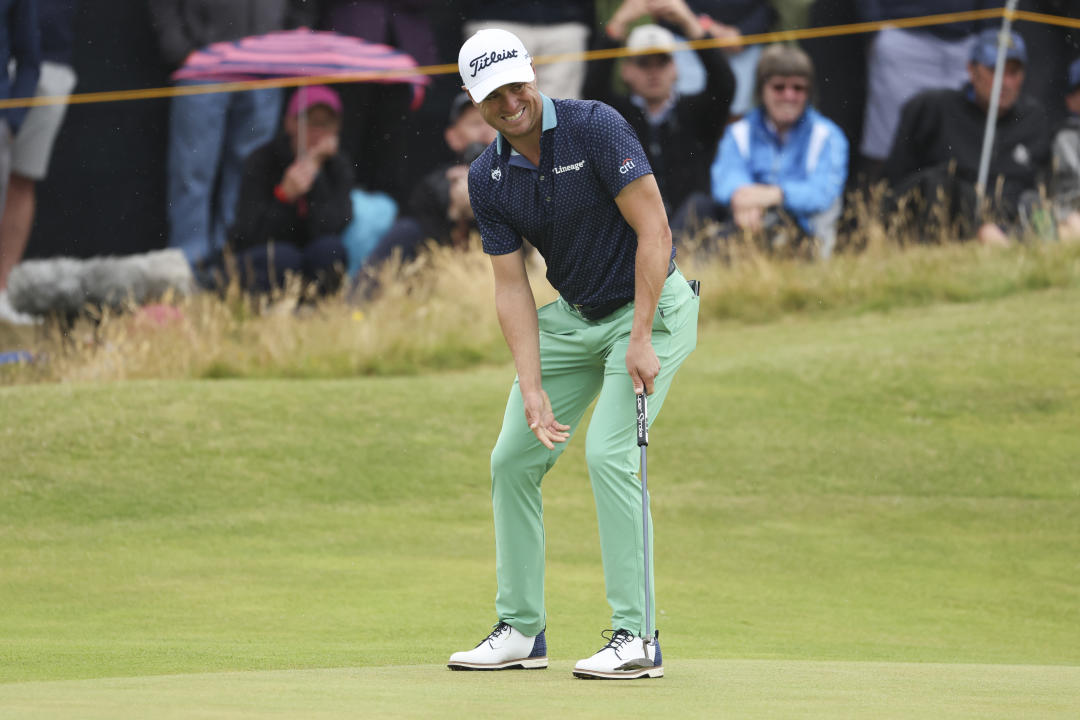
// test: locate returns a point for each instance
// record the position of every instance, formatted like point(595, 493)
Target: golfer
point(571, 177)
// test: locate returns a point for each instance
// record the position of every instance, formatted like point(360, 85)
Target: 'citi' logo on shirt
point(627, 166)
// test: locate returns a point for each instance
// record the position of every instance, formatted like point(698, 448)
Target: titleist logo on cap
point(480, 62)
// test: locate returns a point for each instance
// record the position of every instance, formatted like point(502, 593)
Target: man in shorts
point(20, 47)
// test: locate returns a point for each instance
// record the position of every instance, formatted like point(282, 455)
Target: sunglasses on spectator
point(779, 87)
point(652, 61)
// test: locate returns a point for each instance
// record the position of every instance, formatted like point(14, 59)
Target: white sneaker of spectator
point(10, 315)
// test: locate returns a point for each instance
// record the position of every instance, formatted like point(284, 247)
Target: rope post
point(992, 111)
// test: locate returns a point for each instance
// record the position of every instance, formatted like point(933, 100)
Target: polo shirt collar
point(548, 120)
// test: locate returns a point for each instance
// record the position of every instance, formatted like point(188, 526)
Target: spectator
point(19, 43)
point(294, 198)
point(378, 120)
point(1065, 176)
point(211, 134)
point(781, 169)
point(938, 145)
point(679, 132)
point(729, 20)
point(904, 61)
point(555, 27)
point(439, 209)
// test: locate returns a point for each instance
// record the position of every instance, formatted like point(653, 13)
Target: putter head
point(641, 662)
point(636, 664)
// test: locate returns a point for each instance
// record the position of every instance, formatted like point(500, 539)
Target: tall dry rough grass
point(438, 313)
point(433, 314)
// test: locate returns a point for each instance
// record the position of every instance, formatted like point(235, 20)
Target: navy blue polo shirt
point(565, 207)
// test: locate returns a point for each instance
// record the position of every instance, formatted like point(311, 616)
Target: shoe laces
point(497, 629)
point(617, 638)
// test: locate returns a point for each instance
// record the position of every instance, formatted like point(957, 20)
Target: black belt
point(601, 311)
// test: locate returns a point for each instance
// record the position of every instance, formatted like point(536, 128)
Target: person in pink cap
point(294, 198)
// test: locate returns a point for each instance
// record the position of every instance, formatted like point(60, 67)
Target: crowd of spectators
point(737, 145)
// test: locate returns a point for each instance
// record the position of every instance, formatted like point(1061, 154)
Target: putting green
point(693, 688)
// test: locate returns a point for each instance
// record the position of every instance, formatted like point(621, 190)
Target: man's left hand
point(642, 364)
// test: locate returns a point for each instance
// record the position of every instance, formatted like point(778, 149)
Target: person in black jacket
point(935, 154)
point(210, 134)
point(294, 198)
point(439, 208)
point(680, 133)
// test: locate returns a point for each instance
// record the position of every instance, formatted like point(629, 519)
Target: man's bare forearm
point(516, 308)
point(651, 264)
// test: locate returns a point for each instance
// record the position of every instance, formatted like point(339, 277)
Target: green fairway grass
point(868, 516)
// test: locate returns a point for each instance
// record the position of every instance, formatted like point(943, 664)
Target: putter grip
point(642, 420)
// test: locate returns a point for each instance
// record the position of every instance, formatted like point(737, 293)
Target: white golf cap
point(493, 58)
point(651, 37)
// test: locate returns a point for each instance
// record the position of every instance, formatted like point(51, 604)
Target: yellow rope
point(769, 37)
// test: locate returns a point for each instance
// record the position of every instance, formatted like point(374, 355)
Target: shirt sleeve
point(614, 149)
point(497, 235)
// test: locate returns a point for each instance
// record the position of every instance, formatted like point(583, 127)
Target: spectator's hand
point(1069, 228)
point(720, 31)
point(541, 419)
point(992, 236)
point(677, 13)
point(618, 27)
point(748, 218)
point(748, 205)
point(642, 364)
point(459, 208)
point(326, 147)
point(299, 177)
point(758, 195)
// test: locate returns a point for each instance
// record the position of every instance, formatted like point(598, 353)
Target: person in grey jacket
point(211, 134)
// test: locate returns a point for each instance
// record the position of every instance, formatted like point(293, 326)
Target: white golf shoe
point(623, 658)
point(504, 649)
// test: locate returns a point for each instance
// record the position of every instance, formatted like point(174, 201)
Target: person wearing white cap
point(571, 177)
point(679, 131)
point(554, 27)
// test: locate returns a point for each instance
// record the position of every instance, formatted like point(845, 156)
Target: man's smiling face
point(516, 110)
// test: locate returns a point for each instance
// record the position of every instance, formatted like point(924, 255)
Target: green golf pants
point(581, 360)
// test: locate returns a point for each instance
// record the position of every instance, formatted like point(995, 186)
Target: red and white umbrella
point(304, 53)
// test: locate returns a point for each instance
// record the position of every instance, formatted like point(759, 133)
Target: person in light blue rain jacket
point(780, 171)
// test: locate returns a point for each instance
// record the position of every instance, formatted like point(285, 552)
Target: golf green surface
point(869, 516)
point(695, 689)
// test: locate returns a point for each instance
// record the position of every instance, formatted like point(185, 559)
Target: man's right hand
point(541, 419)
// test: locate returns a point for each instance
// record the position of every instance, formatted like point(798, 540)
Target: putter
point(643, 441)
